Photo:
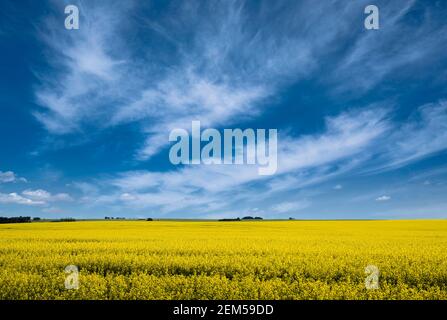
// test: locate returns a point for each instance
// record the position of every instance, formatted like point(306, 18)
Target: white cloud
point(338, 187)
point(37, 197)
point(14, 198)
point(7, 176)
point(10, 176)
point(45, 196)
point(383, 198)
point(37, 194)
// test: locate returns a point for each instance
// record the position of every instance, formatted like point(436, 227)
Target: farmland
point(224, 260)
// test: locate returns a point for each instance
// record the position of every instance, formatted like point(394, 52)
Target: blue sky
point(361, 114)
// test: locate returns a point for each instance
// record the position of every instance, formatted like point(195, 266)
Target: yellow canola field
point(224, 260)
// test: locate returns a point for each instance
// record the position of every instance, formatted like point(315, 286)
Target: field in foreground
point(224, 260)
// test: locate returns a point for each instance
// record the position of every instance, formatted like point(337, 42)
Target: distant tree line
point(244, 218)
point(15, 219)
point(29, 219)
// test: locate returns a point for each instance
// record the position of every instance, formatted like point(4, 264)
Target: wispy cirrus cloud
point(400, 45)
point(225, 65)
point(225, 62)
point(85, 72)
point(422, 135)
point(351, 141)
point(303, 160)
